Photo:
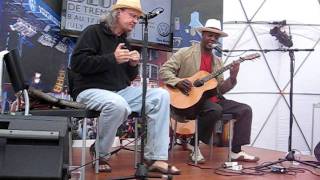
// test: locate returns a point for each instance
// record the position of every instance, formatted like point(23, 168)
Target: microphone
point(217, 48)
point(152, 14)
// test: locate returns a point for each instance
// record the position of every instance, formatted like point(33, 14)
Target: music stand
point(142, 171)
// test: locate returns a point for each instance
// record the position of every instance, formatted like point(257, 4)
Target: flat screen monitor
point(76, 15)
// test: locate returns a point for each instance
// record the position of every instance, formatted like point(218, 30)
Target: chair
point(69, 109)
point(226, 118)
point(219, 124)
point(92, 114)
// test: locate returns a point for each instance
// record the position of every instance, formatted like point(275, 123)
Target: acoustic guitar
point(202, 82)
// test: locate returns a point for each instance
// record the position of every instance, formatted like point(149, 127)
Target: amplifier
point(34, 147)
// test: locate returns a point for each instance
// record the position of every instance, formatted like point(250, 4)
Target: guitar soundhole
point(198, 83)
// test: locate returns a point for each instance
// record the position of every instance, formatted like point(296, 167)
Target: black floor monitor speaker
point(34, 147)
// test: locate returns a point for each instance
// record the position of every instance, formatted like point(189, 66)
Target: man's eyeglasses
point(133, 15)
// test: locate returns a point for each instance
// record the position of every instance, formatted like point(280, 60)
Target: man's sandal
point(104, 166)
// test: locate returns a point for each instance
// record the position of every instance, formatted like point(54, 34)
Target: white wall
point(258, 88)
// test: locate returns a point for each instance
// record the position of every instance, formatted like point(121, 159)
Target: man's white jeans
point(115, 107)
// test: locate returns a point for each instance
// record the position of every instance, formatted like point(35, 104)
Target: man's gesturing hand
point(134, 58)
point(122, 55)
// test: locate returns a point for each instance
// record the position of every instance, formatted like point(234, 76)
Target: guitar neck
point(222, 70)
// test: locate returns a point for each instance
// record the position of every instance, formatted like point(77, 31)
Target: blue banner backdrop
point(33, 27)
point(193, 14)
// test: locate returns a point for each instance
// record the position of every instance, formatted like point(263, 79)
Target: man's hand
point(134, 58)
point(234, 70)
point(184, 86)
point(122, 55)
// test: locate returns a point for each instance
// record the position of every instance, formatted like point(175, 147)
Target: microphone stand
point(290, 154)
point(142, 171)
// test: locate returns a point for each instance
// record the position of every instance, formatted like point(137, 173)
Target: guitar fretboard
point(222, 70)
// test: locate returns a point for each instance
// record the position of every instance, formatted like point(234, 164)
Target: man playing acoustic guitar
point(187, 62)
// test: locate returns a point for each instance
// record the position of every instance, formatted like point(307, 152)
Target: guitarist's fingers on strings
point(184, 86)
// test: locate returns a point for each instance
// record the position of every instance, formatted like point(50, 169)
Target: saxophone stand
point(142, 170)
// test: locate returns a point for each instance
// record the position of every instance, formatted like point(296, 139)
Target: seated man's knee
point(162, 93)
point(247, 109)
point(117, 105)
point(159, 96)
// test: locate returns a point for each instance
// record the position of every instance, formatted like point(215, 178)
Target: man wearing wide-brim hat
point(187, 62)
point(105, 65)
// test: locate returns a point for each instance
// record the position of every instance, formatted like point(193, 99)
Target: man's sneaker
point(192, 157)
point(243, 156)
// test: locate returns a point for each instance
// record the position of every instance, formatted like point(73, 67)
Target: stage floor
point(123, 165)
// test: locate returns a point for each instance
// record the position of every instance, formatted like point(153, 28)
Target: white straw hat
point(213, 25)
